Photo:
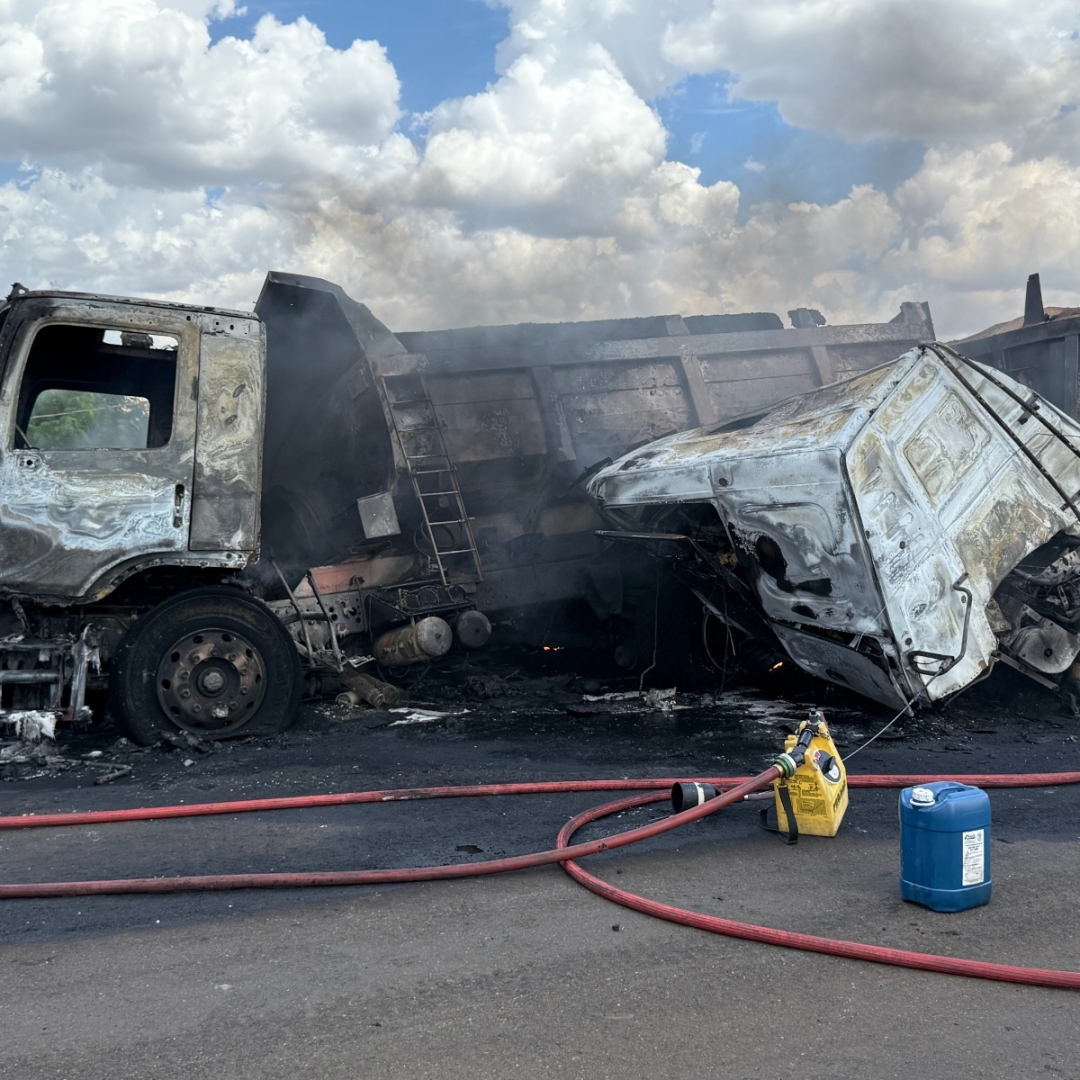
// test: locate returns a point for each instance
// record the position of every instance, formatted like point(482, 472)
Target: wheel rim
point(211, 681)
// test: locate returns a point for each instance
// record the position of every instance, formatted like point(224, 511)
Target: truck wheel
point(213, 662)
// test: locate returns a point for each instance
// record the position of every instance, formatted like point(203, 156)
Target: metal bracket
point(947, 662)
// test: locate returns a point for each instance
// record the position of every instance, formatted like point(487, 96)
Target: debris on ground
point(627, 701)
point(364, 689)
point(109, 777)
point(31, 725)
point(176, 740)
point(423, 716)
point(664, 700)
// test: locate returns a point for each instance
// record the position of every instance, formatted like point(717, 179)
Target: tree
point(83, 420)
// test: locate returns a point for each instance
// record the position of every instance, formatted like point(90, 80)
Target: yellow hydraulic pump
point(814, 785)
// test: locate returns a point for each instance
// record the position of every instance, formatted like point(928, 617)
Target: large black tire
point(213, 662)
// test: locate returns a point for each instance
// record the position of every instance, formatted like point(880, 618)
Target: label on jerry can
point(973, 847)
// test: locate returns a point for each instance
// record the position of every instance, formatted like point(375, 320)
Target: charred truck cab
point(198, 505)
point(898, 533)
point(130, 479)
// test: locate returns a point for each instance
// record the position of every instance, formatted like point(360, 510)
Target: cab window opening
point(97, 388)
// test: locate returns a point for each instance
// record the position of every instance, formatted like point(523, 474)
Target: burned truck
point(898, 533)
point(199, 506)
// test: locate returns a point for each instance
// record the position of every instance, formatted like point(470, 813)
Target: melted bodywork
point(897, 533)
point(76, 520)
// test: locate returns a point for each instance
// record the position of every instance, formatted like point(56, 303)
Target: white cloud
point(549, 194)
point(76, 230)
point(528, 144)
point(961, 71)
point(135, 88)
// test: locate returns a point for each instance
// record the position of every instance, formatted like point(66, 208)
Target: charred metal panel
point(315, 334)
point(1040, 349)
point(792, 515)
point(916, 564)
point(378, 516)
point(328, 436)
point(617, 383)
point(856, 336)
point(559, 440)
point(488, 417)
point(866, 675)
point(877, 519)
point(742, 384)
point(72, 520)
point(611, 407)
point(975, 508)
point(228, 445)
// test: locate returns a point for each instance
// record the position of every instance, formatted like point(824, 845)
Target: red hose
point(878, 954)
point(213, 882)
point(564, 853)
point(554, 787)
point(300, 802)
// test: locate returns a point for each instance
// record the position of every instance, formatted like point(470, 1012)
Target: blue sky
point(440, 48)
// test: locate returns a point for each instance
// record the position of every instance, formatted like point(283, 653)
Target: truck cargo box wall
point(327, 442)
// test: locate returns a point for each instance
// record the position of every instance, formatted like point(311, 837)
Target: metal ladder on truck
point(434, 479)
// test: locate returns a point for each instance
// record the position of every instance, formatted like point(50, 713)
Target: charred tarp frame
point(897, 533)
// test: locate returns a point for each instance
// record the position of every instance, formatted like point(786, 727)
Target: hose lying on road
point(564, 852)
point(383, 877)
point(978, 969)
point(551, 787)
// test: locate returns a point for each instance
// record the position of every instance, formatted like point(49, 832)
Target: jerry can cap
point(922, 796)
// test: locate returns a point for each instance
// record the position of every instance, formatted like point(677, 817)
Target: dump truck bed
point(506, 419)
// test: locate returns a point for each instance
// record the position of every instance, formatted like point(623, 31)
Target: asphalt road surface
point(527, 974)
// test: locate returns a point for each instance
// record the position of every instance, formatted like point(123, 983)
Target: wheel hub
point(211, 681)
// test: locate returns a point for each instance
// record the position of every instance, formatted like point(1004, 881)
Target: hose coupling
point(787, 765)
point(686, 795)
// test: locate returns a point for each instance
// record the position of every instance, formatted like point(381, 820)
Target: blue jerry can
point(945, 845)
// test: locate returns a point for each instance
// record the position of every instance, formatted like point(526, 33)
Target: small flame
point(775, 666)
point(553, 648)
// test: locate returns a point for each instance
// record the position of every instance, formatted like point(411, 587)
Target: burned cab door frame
point(76, 519)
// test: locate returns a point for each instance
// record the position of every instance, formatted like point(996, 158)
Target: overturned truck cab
point(898, 533)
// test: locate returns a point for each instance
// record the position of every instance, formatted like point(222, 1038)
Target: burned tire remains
point(212, 662)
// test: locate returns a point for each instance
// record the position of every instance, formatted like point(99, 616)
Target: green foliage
point(81, 420)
